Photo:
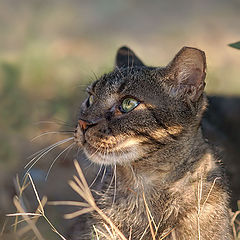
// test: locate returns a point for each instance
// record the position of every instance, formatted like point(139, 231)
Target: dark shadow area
point(221, 126)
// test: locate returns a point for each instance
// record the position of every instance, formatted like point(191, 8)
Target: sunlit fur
point(157, 151)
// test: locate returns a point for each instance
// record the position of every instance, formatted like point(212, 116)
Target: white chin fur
point(112, 158)
point(126, 151)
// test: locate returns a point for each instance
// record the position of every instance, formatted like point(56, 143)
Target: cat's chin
point(113, 158)
point(122, 154)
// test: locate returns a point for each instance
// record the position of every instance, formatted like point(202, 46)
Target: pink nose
point(83, 124)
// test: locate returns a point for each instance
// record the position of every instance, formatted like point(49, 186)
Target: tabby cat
point(144, 122)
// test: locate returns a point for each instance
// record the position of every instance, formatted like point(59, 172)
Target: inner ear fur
point(187, 71)
point(125, 57)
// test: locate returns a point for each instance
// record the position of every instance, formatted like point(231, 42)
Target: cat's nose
point(84, 124)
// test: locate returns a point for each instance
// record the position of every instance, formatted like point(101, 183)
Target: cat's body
point(165, 179)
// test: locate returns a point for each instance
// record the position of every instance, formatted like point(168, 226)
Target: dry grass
point(30, 218)
point(80, 186)
point(235, 222)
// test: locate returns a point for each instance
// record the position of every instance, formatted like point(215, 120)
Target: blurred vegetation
point(21, 106)
point(13, 98)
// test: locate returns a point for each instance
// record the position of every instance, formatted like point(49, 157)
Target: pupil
point(129, 104)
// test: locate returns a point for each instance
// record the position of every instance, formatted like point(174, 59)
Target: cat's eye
point(90, 100)
point(128, 104)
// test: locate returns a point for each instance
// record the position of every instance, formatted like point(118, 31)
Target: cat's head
point(136, 109)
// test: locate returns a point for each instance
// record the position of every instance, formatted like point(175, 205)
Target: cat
point(145, 122)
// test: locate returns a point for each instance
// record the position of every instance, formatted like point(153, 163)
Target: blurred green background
point(51, 49)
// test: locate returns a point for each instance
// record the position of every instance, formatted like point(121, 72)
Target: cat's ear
point(126, 58)
point(188, 71)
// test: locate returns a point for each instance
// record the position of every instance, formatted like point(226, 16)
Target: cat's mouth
point(109, 150)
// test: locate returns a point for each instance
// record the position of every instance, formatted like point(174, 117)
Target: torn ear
point(188, 71)
point(126, 58)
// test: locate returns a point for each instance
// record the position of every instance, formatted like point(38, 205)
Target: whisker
point(87, 158)
point(44, 153)
point(104, 154)
point(95, 75)
point(69, 147)
point(47, 133)
point(104, 172)
point(90, 164)
point(115, 183)
point(78, 151)
point(57, 123)
point(95, 151)
point(38, 153)
point(72, 124)
point(110, 183)
point(100, 167)
point(69, 151)
point(96, 176)
point(112, 175)
point(84, 158)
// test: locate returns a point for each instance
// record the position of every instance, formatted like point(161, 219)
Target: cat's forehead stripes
point(122, 86)
point(118, 80)
point(109, 84)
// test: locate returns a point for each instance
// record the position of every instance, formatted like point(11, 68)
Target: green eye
point(128, 105)
point(90, 100)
